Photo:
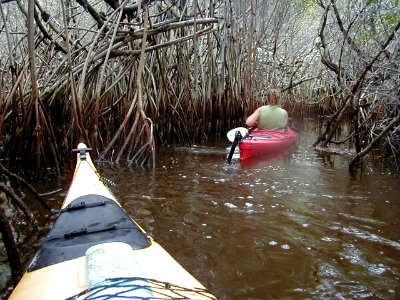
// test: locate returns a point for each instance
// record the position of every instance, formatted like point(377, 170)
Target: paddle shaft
point(237, 139)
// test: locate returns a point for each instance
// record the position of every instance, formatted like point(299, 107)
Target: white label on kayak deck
point(109, 261)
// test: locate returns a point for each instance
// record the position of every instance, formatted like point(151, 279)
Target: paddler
point(270, 116)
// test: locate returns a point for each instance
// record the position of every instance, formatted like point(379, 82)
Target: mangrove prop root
point(30, 187)
point(21, 205)
point(10, 245)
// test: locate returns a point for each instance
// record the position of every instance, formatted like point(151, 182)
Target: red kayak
point(261, 142)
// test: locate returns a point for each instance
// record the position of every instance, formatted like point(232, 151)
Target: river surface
point(297, 226)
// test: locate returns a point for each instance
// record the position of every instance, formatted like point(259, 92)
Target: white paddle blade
point(231, 133)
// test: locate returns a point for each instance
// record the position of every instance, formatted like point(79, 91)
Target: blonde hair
point(273, 97)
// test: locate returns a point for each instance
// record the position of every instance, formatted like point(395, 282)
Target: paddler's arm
point(286, 117)
point(253, 119)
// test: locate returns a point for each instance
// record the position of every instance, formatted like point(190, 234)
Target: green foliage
point(377, 21)
point(392, 18)
point(307, 2)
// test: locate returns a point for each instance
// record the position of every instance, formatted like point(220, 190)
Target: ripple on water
point(377, 269)
point(363, 220)
point(365, 235)
point(328, 270)
point(230, 205)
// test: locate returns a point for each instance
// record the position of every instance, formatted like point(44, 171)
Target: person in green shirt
point(269, 116)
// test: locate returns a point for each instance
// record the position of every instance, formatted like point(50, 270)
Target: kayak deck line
point(96, 250)
point(83, 231)
point(154, 287)
point(261, 137)
point(79, 205)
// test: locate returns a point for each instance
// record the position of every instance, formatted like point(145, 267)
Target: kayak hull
point(263, 142)
point(136, 266)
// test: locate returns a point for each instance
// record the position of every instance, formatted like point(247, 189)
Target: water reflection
point(296, 226)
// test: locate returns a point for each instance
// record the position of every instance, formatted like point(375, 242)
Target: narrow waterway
point(297, 226)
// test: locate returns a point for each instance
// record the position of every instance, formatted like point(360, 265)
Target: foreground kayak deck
point(262, 142)
point(96, 251)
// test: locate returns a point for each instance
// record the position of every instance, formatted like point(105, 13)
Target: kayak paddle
point(237, 138)
point(231, 133)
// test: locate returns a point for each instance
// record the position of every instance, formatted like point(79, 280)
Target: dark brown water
point(298, 226)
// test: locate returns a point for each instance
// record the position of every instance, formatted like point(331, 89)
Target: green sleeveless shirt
point(271, 117)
